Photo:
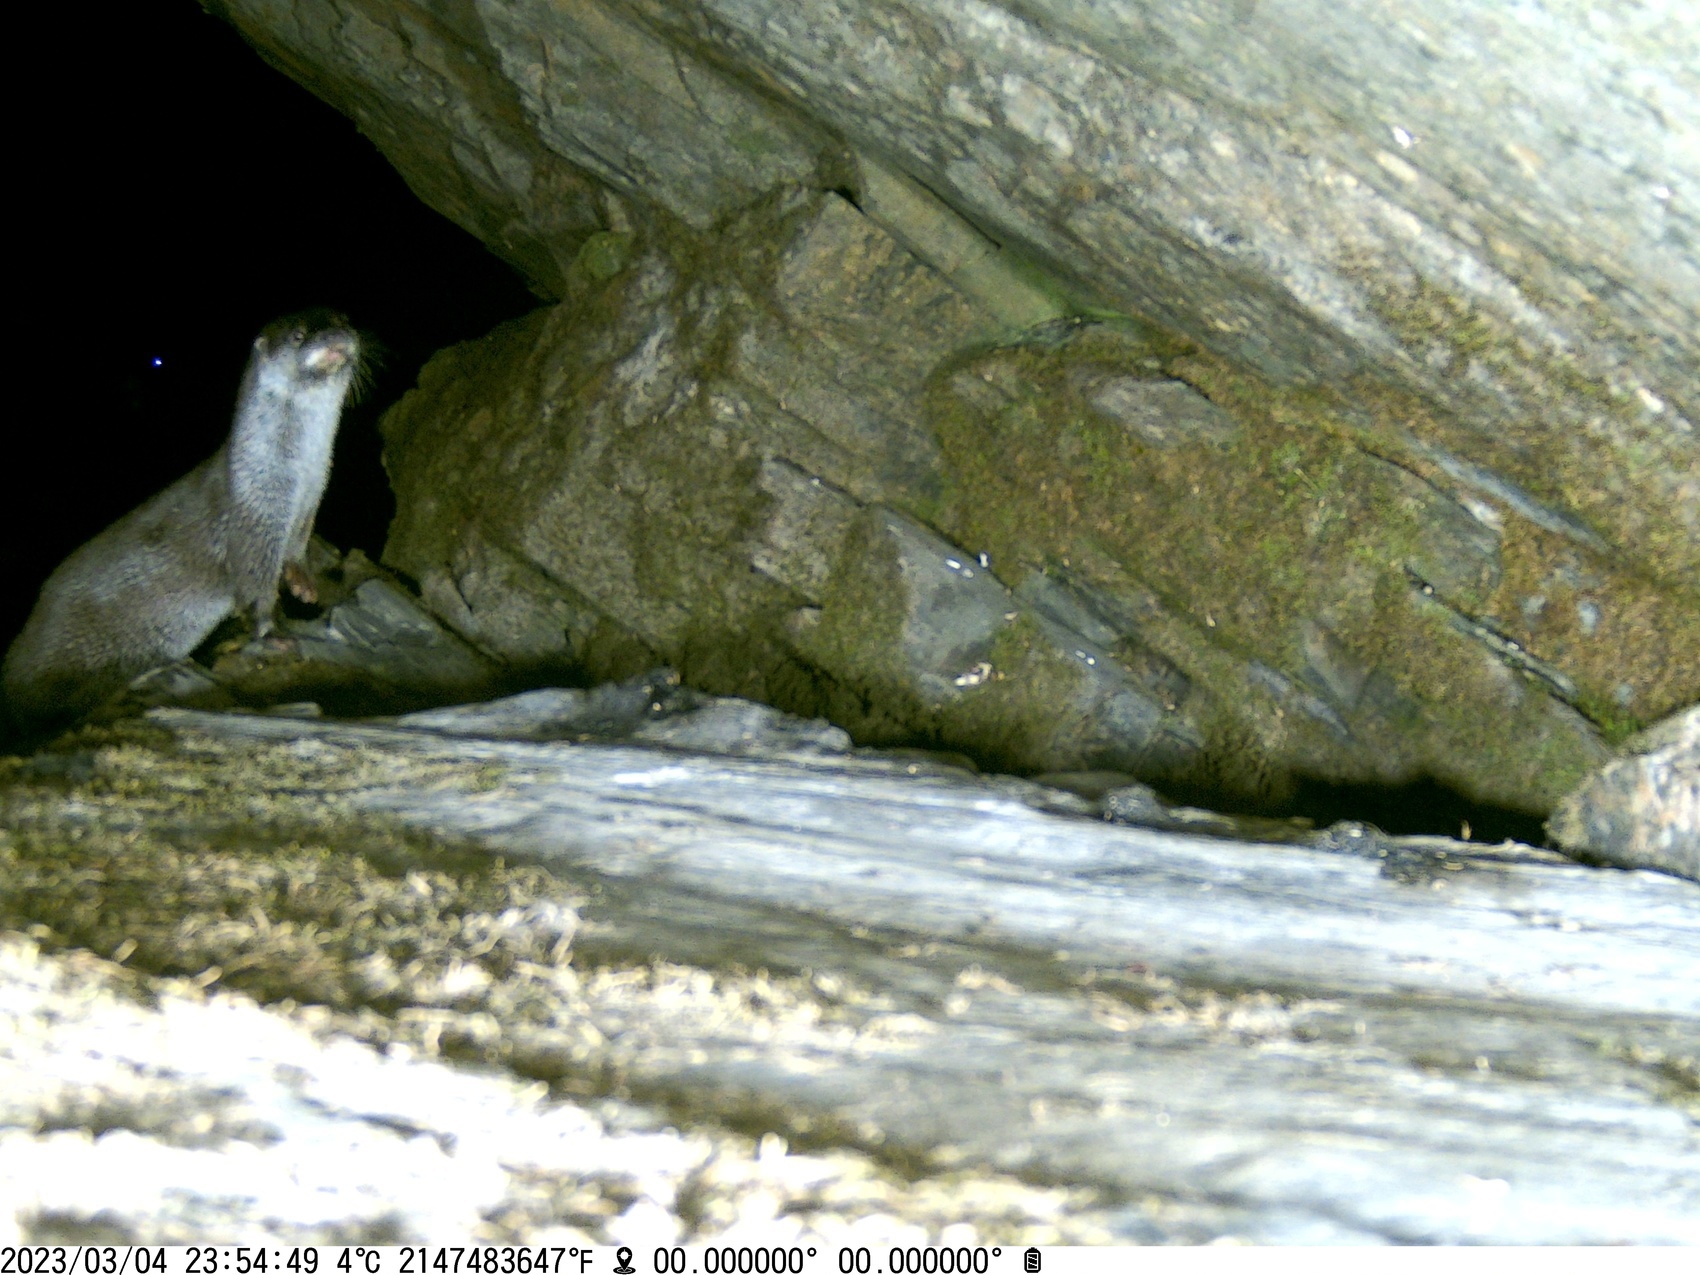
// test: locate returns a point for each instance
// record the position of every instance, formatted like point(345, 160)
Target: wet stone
point(1160, 413)
point(1643, 809)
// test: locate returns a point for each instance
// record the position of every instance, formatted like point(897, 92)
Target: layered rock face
point(1231, 395)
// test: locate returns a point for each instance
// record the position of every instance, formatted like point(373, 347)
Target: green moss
point(1011, 722)
point(852, 640)
point(862, 609)
point(1615, 723)
point(1286, 459)
point(604, 255)
point(1288, 523)
point(1569, 469)
point(755, 143)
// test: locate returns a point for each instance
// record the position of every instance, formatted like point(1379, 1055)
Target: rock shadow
point(1423, 807)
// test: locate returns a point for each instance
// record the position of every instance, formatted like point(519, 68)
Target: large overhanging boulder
point(1316, 380)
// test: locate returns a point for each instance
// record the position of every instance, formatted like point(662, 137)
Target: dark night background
point(197, 194)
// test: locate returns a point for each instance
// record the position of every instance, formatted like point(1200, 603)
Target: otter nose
point(330, 355)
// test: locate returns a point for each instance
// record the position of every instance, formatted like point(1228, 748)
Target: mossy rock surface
point(1342, 371)
point(793, 462)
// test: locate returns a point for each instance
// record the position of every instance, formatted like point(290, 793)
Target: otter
point(151, 587)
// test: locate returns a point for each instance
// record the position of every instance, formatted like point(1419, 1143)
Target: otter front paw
point(299, 583)
point(265, 635)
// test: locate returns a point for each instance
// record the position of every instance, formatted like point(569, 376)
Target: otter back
point(153, 585)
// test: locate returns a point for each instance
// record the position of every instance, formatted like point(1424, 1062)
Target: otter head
point(313, 347)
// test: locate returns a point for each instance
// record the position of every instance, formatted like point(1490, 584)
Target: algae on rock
point(790, 459)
